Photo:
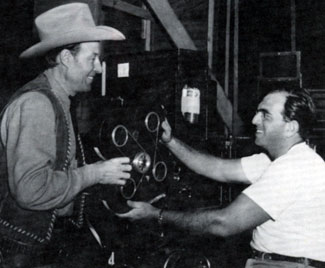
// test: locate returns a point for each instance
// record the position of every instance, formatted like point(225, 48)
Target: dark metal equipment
point(142, 91)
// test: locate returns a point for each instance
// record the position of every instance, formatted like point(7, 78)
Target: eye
point(267, 116)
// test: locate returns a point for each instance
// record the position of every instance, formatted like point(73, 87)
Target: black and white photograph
point(162, 134)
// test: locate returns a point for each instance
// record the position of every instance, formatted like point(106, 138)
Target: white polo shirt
point(291, 189)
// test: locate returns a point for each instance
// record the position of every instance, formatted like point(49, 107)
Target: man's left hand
point(140, 210)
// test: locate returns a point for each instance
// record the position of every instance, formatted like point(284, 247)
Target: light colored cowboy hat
point(68, 24)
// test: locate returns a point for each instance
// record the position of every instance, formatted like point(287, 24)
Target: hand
point(166, 136)
point(114, 171)
point(140, 210)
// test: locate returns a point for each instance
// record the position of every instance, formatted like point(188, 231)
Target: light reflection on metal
point(114, 135)
point(155, 116)
point(180, 258)
point(156, 171)
point(129, 190)
point(141, 162)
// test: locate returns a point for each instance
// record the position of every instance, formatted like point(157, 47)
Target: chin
point(258, 142)
point(86, 89)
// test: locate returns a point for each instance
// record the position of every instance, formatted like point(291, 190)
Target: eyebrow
point(94, 54)
point(262, 110)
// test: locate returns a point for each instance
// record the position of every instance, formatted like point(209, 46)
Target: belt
point(277, 257)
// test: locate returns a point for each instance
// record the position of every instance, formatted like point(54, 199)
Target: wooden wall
point(264, 26)
point(192, 14)
point(16, 34)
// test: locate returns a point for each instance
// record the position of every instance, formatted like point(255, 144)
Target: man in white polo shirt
point(285, 200)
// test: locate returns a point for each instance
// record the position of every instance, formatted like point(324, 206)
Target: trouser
point(259, 263)
point(15, 254)
point(16, 261)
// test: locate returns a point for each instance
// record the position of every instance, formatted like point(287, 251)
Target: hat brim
point(97, 33)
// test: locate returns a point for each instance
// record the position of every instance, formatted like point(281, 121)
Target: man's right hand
point(166, 136)
point(114, 171)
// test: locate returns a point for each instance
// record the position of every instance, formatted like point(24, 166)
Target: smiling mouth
point(258, 131)
point(90, 79)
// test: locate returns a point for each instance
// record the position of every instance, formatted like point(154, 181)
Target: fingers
point(165, 125)
point(118, 181)
point(134, 204)
point(114, 171)
point(120, 164)
point(166, 120)
point(121, 160)
point(166, 136)
point(130, 214)
point(139, 210)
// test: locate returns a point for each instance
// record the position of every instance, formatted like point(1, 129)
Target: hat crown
point(63, 19)
point(68, 24)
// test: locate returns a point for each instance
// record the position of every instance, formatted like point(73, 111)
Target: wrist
point(160, 217)
point(168, 141)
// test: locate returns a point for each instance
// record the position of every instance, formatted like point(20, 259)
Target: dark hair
point(299, 106)
point(50, 57)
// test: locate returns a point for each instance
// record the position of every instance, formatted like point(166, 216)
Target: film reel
point(139, 142)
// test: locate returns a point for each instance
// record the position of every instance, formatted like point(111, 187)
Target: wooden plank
point(293, 25)
point(146, 32)
point(172, 24)
point(128, 8)
point(225, 109)
point(236, 36)
point(95, 7)
point(227, 47)
point(210, 33)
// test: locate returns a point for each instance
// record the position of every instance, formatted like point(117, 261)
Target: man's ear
point(64, 57)
point(292, 128)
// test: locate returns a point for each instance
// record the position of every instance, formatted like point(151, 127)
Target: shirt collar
point(58, 90)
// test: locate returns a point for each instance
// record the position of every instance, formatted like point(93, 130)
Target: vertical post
point(227, 48)
point(216, 26)
point(146, 32)
point(293, 25)
point(210, 33)
point(210, 61)
point(96, 10)
point(235, 94)
point(103, 79)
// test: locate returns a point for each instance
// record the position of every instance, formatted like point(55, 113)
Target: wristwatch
point(160, 217)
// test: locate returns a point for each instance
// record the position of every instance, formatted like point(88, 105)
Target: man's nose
point(98, 67)
point(256, 119)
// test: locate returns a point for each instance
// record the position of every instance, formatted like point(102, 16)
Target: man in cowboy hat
point(41, 148)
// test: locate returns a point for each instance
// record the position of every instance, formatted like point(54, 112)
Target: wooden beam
point(225, 108)
point(172, 24)
point(293, 25)
point(235, 91)
point(96, 9)
point(128, 8)
point(146, 32)
point(226, 83)
point(210, 33)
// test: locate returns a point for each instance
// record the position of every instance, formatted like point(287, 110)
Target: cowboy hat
point(68, 24)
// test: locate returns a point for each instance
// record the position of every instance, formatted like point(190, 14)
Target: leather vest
point(30, 227)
